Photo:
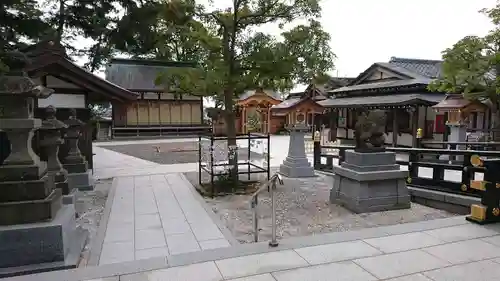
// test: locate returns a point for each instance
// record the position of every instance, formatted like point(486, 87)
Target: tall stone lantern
point(37, 233)
point(296, 164)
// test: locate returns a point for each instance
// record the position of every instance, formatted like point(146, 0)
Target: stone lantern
point(37, 233)
point(52, 131)
point(76, 165)
point(296, 164)
point(458, 109)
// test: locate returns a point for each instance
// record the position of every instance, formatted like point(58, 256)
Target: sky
point(366, 31)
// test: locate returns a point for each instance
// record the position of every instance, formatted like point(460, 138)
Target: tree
point(238, 58)
point(20, 25)
point(472, 67)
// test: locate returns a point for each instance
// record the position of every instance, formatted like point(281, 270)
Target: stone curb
point(96, 247)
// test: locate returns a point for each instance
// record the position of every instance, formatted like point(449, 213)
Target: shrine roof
point(287, 103)
point(247, 94)
point(138, 74)
point(51, 58)
point(452, 101)
point(383, 100)
point(408, 73)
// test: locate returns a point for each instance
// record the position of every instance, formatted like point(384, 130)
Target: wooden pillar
point(395, 128)
point(244, 120)
point(269, 119)
point(414, 124)
point(137, 116)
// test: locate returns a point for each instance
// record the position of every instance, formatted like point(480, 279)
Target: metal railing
point(271, 187)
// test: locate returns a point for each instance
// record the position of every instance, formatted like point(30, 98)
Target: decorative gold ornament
point(476, 161)
point(463, 187)
point(420, 133)
point(497, 185)
point(496, 212)
point(408, 180)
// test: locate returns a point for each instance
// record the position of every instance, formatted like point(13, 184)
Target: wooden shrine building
point(264, 111)
point(398, 86)
point(155, 112)
point(74, 88)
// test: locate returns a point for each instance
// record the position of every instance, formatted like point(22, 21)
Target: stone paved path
point(157, 215)
point(441, 250)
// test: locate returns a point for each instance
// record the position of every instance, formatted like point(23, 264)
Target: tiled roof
point(287, 103)
point(427, 68)
point(383, 84)
point(249, 93)
point(383, 100)
point(135, 74)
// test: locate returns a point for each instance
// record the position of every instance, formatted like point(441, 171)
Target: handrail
point(271, 187)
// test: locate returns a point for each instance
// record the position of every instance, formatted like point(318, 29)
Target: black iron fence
point(447, 170)
point(214, 154)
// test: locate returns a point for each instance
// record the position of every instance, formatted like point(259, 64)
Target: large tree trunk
point(230, 117)
point(495, 123)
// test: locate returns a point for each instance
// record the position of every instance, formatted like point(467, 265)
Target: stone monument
point(79, 176)
point(369, 180)
point(296, 164)
point(37, 232)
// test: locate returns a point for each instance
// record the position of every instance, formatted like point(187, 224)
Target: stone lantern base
point(370, 182)
point(42, 246)
point(79, 177)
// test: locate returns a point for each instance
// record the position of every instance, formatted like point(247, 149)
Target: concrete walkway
point(439, 250)
point(156, 216)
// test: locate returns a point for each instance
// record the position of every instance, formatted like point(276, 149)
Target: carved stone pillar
point(37, 233)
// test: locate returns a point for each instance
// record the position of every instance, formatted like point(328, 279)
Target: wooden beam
point(395, 128)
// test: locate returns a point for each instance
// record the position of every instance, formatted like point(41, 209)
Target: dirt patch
point(176, 152)
point(303, 208)
point(90, 207)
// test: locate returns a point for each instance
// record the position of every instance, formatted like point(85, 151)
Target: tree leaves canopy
point(472, 65)
point(236, 57)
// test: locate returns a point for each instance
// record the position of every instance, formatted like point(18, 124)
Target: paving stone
point(117, 252)
point(261, 263)
point(337, 252)
point(345, 271)
point(464, 251)
point(476, 271)
point(206, 232)
point(461, 232)
point(262, 277)
point(214, 244)
point(413, 277)
point(175, 226)
point(399, 264)
point(403, 242)
point(147, 221)
point(182, 243)
point(195, 272)
point(122, 232)
point(170, 210)
point(495, 240)
point(151, 253)
point(115, 278)
point(149, 238)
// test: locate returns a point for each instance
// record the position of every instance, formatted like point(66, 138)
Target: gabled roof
point(50, 58)
point(383, 100)
point(250, 93)
point(410, 73)
point(138, 74)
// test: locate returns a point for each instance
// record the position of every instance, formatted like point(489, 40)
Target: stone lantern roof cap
point(50, 121)
point(16, 82)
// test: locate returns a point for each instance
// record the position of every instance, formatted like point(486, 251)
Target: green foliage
point(472, 65)
point(234, 58)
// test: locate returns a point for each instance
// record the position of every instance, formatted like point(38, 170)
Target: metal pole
point(255, 219)
point(273, 242)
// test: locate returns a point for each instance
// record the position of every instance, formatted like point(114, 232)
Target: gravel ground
point(303, 209)
point(178, 152)
point(90, 207)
